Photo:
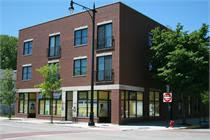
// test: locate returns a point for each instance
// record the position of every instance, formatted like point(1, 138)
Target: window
point(26, 73)
point(104, 36)
point(104, 68)
point(131, 104)
point(23, 103)
point(27, 48)
point(80, 37)
point(54, 48)
point(80, 67)
point(154, 104)
point(44, 105)
point(100, 103)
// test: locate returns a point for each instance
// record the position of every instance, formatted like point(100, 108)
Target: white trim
point(104, 54)
point(28, 40)
point(28, 90)
point(104, 22)
point(104, 87)
point(53, 61)
point(26, 65)
point(96, 87)
point(53, 34)
point(80, 57)
point(81, 27)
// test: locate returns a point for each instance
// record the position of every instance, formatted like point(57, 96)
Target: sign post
point(167, 98)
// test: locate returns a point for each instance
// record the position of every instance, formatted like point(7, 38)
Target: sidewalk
point(148, 125)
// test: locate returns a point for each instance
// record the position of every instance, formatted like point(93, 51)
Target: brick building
point(124, 89)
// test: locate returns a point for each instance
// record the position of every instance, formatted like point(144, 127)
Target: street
point(31, 131)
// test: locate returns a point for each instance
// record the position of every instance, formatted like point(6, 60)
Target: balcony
point(104, 76)
point(54, 52)
point(105, 44)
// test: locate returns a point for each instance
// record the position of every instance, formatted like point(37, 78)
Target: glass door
point(32, 105)
point(104, 107)
point(69, 105)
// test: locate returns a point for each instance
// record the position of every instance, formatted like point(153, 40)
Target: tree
point(8, 52)
point(51, 83)
point(205, 97)
point(181, 59)
point(7, 90)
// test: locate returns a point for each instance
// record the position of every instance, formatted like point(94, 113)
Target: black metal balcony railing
point(54, 52)
point(104, 76)
point(105, 43)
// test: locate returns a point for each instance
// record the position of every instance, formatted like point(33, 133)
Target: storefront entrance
point(32, 105)
point(69, 105)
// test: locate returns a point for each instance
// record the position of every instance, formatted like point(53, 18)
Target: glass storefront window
point(82, 107)
point(41, 107)
point(103, 95)
point(131, 104)
point(59, 107)
point(23, 103)
point(32, 96)
point(139, 108)
point(154, 103)
point(132, 109)
point(47, 107)
point(100, 103)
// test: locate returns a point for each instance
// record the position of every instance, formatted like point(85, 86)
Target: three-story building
point(124, 89)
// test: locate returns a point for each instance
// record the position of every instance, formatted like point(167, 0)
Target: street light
point(91, 13)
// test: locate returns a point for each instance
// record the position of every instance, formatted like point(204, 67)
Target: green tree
point(180, 59)
point(205, 97)
point(8, 52)
point(51, 83)
point(7, 90)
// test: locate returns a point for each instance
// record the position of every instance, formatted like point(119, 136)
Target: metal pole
point(91, 119)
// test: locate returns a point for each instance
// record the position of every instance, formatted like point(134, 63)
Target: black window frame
point(56, 48)
point(104, 73)
point(154, 101)
point(95, 99)
point(82, 37)
point(24, 100)
point(28, 75)
point(80, 67)
point(54, 101)
point(126, 93)
point(27, 48)
point(104, 39)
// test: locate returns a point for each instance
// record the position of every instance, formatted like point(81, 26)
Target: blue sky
point(18, 14)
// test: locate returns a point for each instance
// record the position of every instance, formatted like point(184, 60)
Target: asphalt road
point(12, 130)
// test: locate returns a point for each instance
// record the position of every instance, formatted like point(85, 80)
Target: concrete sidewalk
point(148, 125)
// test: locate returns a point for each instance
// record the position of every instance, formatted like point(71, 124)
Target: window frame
point(27, 48)
point(54, 47)
point(80, 67)
point(104, 36)
point(28, 77)
point(105, 58)
point(24, 100)
point(55, 101)
point(95, 99)
point(154, 101)
point(82, 37)
point(127, 93)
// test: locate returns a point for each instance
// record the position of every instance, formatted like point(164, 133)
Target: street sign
point(167, 97)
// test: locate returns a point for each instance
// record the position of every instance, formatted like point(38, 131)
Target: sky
point(18, 14)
